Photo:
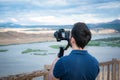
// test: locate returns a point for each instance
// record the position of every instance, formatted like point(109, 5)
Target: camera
point(61, 34)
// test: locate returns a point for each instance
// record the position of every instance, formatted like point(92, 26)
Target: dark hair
point(81, 34)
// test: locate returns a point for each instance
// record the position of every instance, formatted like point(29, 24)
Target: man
point(79, 64)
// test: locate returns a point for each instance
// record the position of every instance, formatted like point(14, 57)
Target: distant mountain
point(13, 25)
point(117, 21)
point(10, 25)
point(115, 24)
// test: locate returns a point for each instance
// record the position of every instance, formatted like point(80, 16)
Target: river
point(14, 62)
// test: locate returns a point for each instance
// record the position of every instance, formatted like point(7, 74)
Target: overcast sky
point(58, 11)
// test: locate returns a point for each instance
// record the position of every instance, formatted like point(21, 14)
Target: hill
point(10, 25)
point(115, 25)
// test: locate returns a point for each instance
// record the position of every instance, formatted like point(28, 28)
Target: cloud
point(51, 20)
point(2, 21)
point(10, 19)
point(43, 19)
point(54, 20)
point(14, 20)
point(50, 3)
point(109, 5)
point(58, 11)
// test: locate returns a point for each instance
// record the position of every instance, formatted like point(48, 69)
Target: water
point(14, 62)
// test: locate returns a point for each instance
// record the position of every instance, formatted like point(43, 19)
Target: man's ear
point(72, 40)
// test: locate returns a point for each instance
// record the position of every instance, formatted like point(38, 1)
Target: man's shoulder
point(65, 58)
point(92, 60)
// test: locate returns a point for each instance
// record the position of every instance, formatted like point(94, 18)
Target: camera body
point(61, 34)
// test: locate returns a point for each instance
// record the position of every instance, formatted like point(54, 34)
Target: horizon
point(14, 23)
point(58, 12)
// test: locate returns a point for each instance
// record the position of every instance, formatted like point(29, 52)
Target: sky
point(58, 12)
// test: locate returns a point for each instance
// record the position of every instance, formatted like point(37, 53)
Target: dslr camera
point(61, 34)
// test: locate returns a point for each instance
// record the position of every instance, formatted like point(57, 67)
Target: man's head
point(81, 34)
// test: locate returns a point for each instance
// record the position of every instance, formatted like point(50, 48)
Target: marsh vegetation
point(113, 42)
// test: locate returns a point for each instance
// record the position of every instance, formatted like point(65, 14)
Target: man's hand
point(51, 76)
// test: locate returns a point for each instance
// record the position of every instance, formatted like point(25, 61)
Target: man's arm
point(51, 76)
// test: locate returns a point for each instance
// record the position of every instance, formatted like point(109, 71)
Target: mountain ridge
point(115, 24)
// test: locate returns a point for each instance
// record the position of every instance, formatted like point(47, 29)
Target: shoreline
point(22, 36)
point(26, 43)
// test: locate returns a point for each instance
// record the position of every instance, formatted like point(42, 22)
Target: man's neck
point(76, 48)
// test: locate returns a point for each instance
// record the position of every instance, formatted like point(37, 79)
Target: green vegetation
point(3, 50)
point(35, 51)
point(56, 46)
point(31, 50)
point(94, 43)
point(114, 42)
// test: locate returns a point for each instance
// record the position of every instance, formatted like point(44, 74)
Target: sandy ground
point(18, 36)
